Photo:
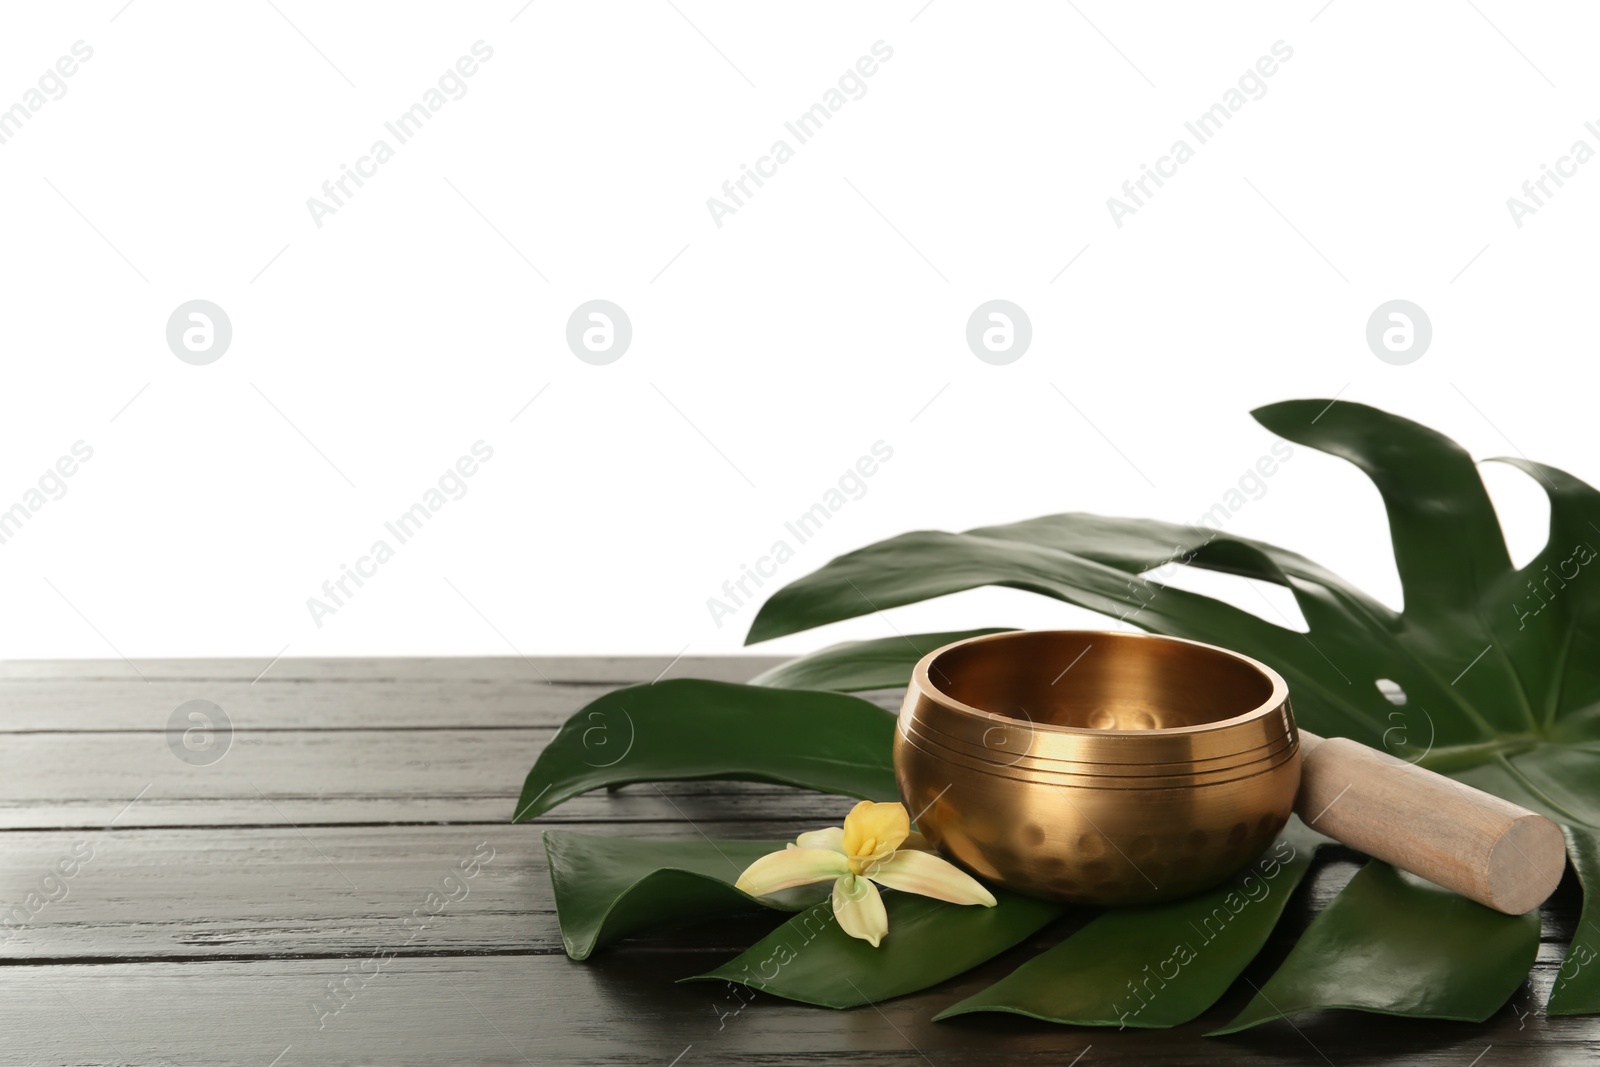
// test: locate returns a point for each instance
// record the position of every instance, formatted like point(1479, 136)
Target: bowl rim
point(1278, 698)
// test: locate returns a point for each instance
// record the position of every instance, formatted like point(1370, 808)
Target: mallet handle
point(1475, 843)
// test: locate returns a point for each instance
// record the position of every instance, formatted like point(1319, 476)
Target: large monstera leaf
point(1501, 689)
point(1499, 666)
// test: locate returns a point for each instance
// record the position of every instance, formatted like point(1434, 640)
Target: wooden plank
point(331, 776)
point(319, 891)
point(104, 704)
point(612, 670)
point(28, 705)
point(343, 891)
point(206, 927)
point(626, 1008)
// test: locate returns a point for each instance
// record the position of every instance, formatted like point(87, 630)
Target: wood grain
point(121, 705)
point(276, 704)
point(220, 901)
point(586, 670)
point(629, 1009)
point(326, 891)
point(1484, 847)
point(332, 777)
point(316, 891)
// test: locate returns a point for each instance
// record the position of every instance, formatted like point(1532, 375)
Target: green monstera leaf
point(1499, 666)
point(1136, 966)
point(1399, 946)
point(858, 665)
point(689, 728)
point(813, 961)
point(609, 887)
point(1501, 690)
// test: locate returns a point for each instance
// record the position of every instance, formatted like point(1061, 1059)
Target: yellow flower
point(875, 844)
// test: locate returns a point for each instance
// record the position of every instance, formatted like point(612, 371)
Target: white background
point(826, 314)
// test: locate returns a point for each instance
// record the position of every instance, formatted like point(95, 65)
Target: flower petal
point(830, 837)
point(875, 829)
point(859, 909)
point(925, 874)
point(791, 867)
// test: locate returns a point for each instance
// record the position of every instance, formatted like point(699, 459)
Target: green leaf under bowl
point(607, 888)
point(1393, 944)
point(1490, 673)
point(1159, 965)
point(689, 729)
point(810, 959)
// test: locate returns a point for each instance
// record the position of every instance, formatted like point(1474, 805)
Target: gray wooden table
point(301, 901)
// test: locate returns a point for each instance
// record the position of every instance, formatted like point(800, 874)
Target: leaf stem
point(1451, 758)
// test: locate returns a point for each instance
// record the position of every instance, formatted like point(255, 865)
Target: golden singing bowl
point(1097, 768)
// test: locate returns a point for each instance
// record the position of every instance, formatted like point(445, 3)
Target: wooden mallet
point(1477, 844)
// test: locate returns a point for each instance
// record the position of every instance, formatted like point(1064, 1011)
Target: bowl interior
point(1100, 681)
